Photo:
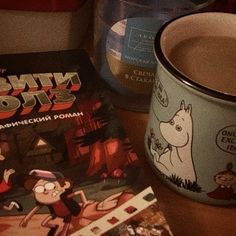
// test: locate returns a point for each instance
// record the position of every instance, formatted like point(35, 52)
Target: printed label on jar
point(129, 52)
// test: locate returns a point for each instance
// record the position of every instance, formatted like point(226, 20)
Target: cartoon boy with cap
point(53, 190)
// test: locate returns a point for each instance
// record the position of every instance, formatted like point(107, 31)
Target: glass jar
point(123, 41)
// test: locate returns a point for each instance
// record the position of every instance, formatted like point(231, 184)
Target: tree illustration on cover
point(175, 161)
point(110, 149)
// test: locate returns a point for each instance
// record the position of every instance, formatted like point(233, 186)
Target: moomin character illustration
point(175, 161)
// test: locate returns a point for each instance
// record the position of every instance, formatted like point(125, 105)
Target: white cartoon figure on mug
point(175, 161)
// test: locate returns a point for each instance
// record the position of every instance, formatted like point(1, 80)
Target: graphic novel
point(67, 167)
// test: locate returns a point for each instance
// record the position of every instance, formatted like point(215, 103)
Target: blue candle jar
point(123, 40)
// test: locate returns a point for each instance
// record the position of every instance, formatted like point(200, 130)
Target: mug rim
point(180, 76)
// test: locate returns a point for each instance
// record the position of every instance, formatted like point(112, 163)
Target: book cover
point(67, 166)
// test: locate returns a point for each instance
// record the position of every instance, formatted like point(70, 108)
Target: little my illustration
point(225, 180)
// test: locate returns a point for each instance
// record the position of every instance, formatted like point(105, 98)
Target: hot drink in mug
point(191, 134)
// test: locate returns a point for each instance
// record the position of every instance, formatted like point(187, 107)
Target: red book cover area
point(228, 6)
point(67, 167)
point(41, 5)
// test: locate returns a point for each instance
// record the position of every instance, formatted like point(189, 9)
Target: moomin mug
point(190, 139)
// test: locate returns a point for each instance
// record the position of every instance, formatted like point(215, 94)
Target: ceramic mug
point(190, 139)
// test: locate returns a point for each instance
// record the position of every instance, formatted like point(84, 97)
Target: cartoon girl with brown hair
point(225, 180)
point(5, 186)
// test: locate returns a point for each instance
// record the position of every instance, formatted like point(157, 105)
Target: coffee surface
point(209, 61)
